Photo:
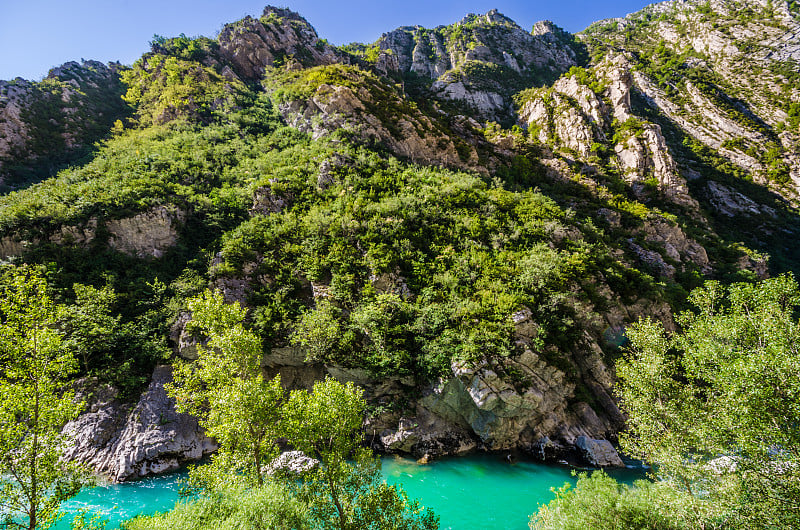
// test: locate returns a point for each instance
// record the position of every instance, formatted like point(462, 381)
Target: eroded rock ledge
point(471, 410)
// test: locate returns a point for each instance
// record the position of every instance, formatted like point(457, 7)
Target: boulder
point(598, 453)
point(292, 463)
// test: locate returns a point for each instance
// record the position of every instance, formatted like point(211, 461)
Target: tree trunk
point(342, 518)
point(35, 448)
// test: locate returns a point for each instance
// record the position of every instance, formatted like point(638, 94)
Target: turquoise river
point(477, 492)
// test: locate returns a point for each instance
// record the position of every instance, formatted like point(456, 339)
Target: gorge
point(461, 220)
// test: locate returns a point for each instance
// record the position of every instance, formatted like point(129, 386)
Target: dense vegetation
point(333, 245)
point(455, 248)
point(714, 409)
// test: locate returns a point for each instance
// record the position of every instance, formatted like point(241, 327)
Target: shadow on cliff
point(772, 231)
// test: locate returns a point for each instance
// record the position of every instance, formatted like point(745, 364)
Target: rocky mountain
point(462, 220)
point(480, 61)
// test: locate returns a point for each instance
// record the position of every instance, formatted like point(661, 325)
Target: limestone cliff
point(250, 45)
point(361, 105)
point(585, 113)
point(145, 235)
point(479, 60)
point(722, 72)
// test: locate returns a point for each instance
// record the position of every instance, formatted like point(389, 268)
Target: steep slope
point(720, 80)
point(382, 227)
point(481, 60)
point(48, 124)
point(724, 72)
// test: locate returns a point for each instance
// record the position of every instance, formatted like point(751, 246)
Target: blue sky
point(36, 35)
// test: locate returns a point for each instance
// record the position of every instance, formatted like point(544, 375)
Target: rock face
point(11, 246)
point(733, 95)
point(482, 406)
point(731, 203)
point(674, 245)
point(491, 38)
point(147, 234)
point(411, 135)
point(251, 45)
point(574, 118)
point(599, 453)
point(126, 443)
point(467, 59)
point(13, 98)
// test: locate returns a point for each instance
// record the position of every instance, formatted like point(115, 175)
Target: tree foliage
point(717, 405)
point(231, 508)
point(715, 408)
point(600, 502)
point(345, 492)
point(35, 404)
point(226, 388)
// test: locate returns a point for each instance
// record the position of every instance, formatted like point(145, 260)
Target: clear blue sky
point(36, 35)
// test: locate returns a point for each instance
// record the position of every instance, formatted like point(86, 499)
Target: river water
point(476, 492)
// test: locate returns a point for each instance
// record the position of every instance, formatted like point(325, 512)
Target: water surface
point(475, 492)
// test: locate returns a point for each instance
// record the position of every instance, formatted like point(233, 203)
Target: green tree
point(600, 502)
point(35, 404)
point(233, 507)
point(716, 406)
point(319, 332)
point(346, 492)
point(89, 326)
point(227, 390)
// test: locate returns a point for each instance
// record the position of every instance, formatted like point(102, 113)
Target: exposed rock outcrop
point(126, 443)
point(731, 203)
point(504, 404)
point(464, 58)
point(576, 119)
point(675, 244)
point(76, 235)
point(251, 45)
point(145, 235)
point(81, 101)
point(293, 463)
point(412, 135)
point(265, 201)
point(11, 246)
point(13, 129)
point(599, 453)
point(490, 38)
point(148, 234)
point(732, 94)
